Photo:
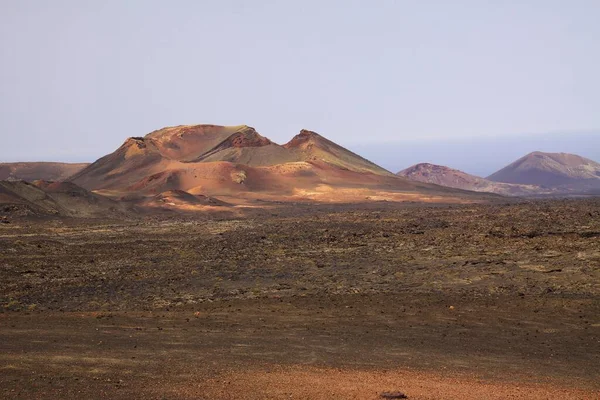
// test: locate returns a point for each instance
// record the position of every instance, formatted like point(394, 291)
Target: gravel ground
point(486, 301)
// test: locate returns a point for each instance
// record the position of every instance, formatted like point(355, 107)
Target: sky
point(463, 83)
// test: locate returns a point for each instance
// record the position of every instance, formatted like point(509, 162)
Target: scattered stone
point(393, 395)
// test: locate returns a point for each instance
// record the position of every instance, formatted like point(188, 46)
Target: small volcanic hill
point(43, 198)
point(555, 170)
point(31, 171)
point(237, 162)
point(445, 176)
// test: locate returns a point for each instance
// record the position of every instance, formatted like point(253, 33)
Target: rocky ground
point(462, 301)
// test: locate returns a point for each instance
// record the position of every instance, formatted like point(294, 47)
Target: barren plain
point(477, 301)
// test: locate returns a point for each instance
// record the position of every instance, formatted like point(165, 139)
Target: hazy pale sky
point(78, 77)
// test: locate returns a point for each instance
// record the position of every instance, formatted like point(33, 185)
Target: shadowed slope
point(25, 194)
point(58, 198)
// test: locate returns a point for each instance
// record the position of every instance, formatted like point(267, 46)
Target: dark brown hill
point(65, 199)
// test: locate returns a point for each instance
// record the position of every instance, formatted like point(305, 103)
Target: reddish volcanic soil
point(328, 383)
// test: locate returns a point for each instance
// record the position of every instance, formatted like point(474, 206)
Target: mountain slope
point(445, 176)
point(310, 146)
point(237, 162)
point(550, 169)
point(135, 154)
point(31, 171)
point(164, 159)
point(190, 143)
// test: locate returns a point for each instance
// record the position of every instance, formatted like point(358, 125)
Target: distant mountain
point(445, 176)
point(31, 171)
point(236, 161)
point(397, 155)
point(568, 172)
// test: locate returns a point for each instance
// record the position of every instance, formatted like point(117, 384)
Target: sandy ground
point(314, 383)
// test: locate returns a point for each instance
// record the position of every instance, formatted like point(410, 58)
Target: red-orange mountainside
point(237, 162)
